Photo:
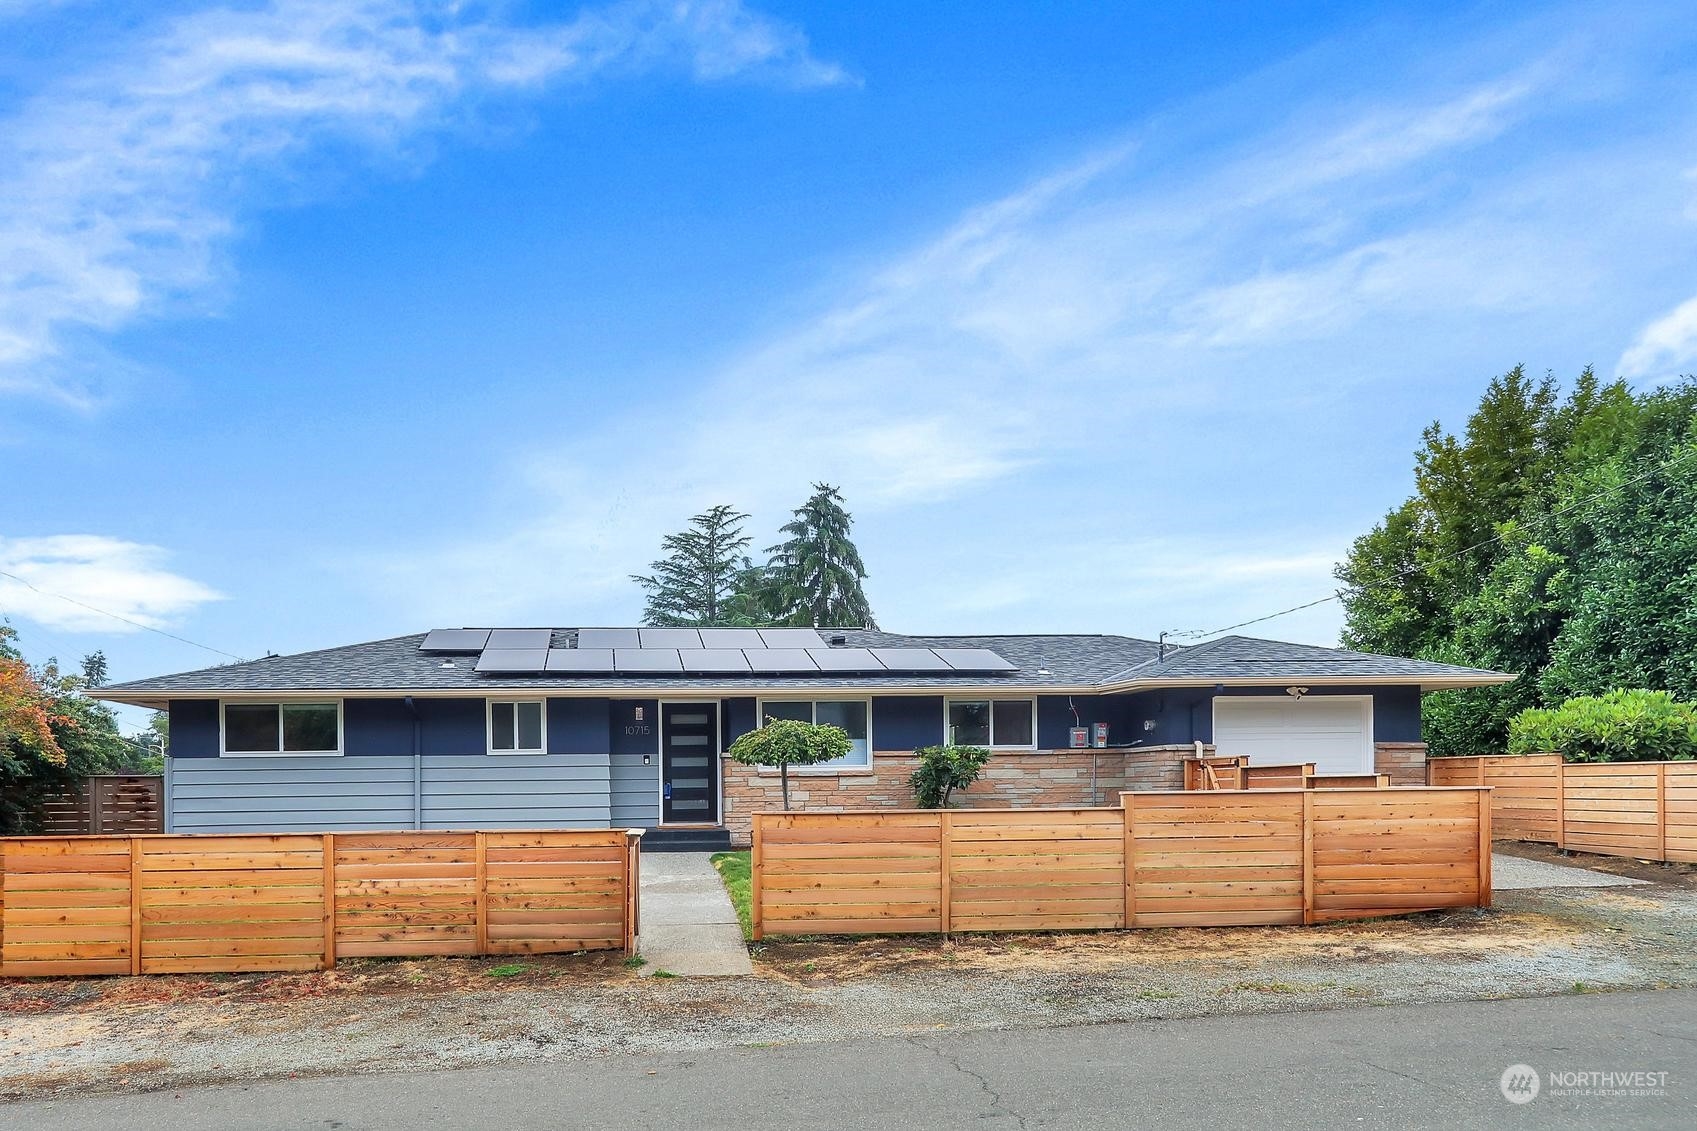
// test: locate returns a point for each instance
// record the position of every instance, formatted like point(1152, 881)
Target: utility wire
point(126, 620)
point(1401, 575)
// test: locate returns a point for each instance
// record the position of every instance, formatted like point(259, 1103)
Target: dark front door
point(689, 763)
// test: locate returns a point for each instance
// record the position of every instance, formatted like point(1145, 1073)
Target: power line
point(126, 620)
point(1338, 595)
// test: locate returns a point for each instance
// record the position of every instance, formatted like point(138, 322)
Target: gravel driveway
point(372, 1016)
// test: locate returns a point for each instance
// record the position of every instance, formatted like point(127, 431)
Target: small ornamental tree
point(944, 769)
point(789, 742)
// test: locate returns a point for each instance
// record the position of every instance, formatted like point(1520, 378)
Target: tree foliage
point(52, 736)
point(700, 579)
point(944, 769)
point(789, 742)
point(1630, 725)
point(812, 578)
point(814, 575)
point(1555, 538)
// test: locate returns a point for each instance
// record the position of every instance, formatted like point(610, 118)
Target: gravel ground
point(162, 1032)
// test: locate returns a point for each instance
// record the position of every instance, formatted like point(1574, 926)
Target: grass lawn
point(734, 870)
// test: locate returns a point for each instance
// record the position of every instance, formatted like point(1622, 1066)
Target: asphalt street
point(1396, 1066)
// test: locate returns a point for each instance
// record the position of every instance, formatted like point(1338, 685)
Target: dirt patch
point(1656, 872)
point(126, 1034)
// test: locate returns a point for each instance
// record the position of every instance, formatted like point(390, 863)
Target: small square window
point(516, 726)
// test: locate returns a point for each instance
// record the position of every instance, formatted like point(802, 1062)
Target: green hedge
point(1621, 726)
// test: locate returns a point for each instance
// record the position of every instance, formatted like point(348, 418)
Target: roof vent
point(447, 663)
point(839, 639)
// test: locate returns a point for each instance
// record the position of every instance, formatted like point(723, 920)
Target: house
point(542, 727)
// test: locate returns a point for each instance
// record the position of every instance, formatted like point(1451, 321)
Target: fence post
point(1561, 803)
point(1484, 848)
point(135, 907)
point(756, 858)
point(945, 857)
point(1127, 805)
point(1307, 857)
point(482, 895)
point(329, 849)
point(1661, 811)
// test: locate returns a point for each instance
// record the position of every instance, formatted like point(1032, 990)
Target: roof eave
point(1424, 682)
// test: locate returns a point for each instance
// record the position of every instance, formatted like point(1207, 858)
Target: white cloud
point(123, 185)
point(74, 575)
point(1665, 348)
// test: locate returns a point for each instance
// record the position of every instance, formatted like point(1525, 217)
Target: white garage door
point(1335, 732)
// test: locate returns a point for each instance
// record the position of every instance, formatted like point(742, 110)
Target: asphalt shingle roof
point(1042, 661)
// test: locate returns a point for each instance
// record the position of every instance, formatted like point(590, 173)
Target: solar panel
point(455, 640)
point(608, 638)
point(791, 638)
point(520, 638)
point(713, 659)
point(580, 659)
point(911, 660)
point(646, 660)
point(845, 660)
point(669, 638)
point(731, 638)
point(974, 660)
point(513, 660)
point(780, 660)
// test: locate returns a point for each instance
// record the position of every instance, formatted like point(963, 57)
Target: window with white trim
point(852, 715)
point(996, 723)
point(282, 728)
point(516, 726)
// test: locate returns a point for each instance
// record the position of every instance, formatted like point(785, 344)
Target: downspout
point(417, 763)
point(166, 787)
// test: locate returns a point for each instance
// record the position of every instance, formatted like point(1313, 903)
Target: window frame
point(991, 701)
point(223, 730)
point(489, 725)
point(815, 700)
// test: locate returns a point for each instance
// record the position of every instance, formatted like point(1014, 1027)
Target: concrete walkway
point(1516, 873)
point(689, 927)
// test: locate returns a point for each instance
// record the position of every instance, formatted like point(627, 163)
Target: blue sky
point(328, 321)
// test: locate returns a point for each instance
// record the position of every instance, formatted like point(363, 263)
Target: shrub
point(788, 742)
point(1621, 726)
point(944, 769)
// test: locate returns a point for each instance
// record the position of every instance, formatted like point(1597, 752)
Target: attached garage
point(1335, 732)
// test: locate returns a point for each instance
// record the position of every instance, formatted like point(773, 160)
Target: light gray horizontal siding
point(241, 795)
point(635, 790)
point(516, 791)
point(376, 793)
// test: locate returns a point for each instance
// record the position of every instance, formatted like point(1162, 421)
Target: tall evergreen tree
point(815, 575)
point(702, 575)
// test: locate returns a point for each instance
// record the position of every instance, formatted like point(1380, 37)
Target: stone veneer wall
point(1011, 779)
point(1404, 761)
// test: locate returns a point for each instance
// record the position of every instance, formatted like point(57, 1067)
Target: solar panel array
point(697, 651)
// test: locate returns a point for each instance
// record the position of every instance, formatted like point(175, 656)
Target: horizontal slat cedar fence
point(1272, 775)
point(1645, 810)
point(107, 805)
point(1166, 859)
point(296, 901)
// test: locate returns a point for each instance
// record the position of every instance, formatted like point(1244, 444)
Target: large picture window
point(849, 714)
point(1005, 723)
point(282, 728)
point(516, 726)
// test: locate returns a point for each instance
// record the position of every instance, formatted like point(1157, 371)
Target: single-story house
point(627, 727)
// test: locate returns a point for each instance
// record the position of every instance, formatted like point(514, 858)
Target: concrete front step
point(686, 840)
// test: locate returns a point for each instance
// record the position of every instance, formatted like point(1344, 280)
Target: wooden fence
point(108, 805)
point(297, 901)
point(1645, 810)
point(1214, 858)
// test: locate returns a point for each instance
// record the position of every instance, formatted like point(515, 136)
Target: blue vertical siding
point(578, 726)
point(739, 718)
point(906, 722)
point(194, 728)
point(378, 727)
point(453, 726)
